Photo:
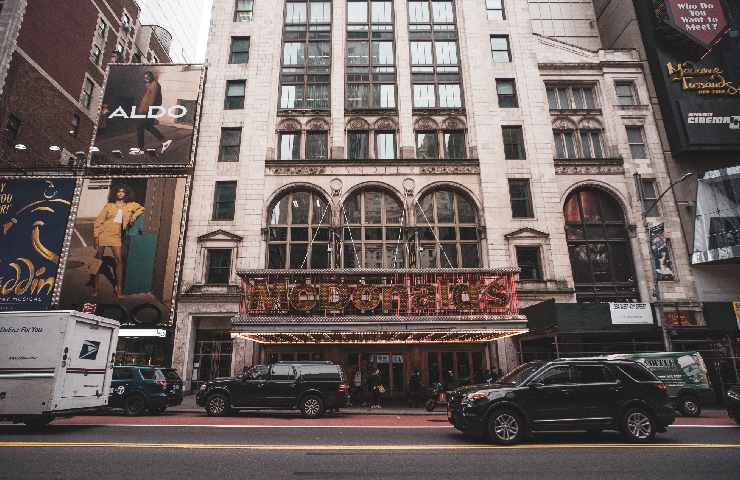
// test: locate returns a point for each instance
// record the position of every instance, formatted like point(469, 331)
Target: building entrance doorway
point(392, 366)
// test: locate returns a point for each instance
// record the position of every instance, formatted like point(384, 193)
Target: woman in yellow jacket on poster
point(120, 212)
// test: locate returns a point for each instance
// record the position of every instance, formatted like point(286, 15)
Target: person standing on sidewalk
point(376, 387)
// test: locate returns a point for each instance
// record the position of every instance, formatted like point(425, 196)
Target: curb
point(343, 412)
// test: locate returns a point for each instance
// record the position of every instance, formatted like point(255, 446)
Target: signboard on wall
point(401, 293)
point(704, 21)
point(660, 248)
point(33, 222)
point(124, 248)
point(631, 313)
point(148, 116)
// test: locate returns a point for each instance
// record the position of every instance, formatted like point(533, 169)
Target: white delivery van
point(54, 363)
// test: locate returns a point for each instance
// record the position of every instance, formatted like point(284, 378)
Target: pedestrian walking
point(415, 388)
point(376, 387)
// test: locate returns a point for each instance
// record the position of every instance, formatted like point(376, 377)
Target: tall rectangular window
point(626, 93)
point(649, 194)
point(218, 263)
point(95, 55)
point(305, 76)
point(454, 144)
point(500, 49)
point(528, 260)
point(506, 91)
point(636, 140)
point(239, 52)
point(427, 145)
point(317, 145)
point(371, 72)
point(358, 142)
point(385, 145)
point(290, 146)
point(235, 92)
point(513, 143)
point(231, 139)
point(88, 89)
point(495, 9)
point(521, 198)
point(571, 97)
point(244, 10)
point(435, 57)
point(224, 201)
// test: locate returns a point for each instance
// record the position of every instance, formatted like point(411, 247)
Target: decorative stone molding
point(450, 170)
point(297, 170)
point(358, 124)
point(526, 232)
point(563, 123)
point(317, 124)
point(590, 123)
point(386, 123)
point(409, 185)
point(289, 124)
point(220, 235)
point(426, 123)
point(336, 187)
point(563, 168)
point(453, 123)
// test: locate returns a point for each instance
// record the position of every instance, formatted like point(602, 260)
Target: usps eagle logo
point(89, 350)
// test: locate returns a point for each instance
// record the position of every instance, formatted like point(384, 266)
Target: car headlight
point(203, 387)
point(475, 396)
point(733, 395)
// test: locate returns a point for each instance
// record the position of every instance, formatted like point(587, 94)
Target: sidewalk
point(188, 406)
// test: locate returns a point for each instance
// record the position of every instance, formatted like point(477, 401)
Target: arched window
point(447, 231)
point(298, 231)
point(372, 233)
point(598, 242)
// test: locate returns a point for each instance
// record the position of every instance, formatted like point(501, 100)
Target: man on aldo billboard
point(148, 115)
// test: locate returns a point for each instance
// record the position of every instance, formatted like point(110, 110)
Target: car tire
point(689, 406)
point(37, 422)
point(506, 427)
point(430, 405)
point(217, 405)
point(158, 411)
point(312, 406)
point(638, 425)
point(135, 406)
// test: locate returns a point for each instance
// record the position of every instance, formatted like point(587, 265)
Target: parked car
point(311, 387)
point(684, 373)
point(138, 389)
point(733, 403)
point(174, 386)
point(566, 394)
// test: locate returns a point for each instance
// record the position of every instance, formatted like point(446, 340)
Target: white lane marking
point(704, 426)
point(195, 425)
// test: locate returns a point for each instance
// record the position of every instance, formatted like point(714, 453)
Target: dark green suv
point(138, 389)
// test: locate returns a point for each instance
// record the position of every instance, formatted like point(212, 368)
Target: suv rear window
point(151, 374)
point(320, 372)
point(638, 372)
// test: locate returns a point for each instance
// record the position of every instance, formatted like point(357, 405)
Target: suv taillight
point(343, 387)
point(161, 383)
point(662, 386)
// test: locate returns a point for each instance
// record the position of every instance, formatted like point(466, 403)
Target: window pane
point(442, 12)
point(393, 212)
point(320, 12)
point(454, 143)
point(290, 146)
point(321, 214)
point(383, 53)
point(470, 255)
point(426, 145)
point(319, 54)
point(294, 54)
point(320, 255)
point(289, 95)
point(421, 53)
point(446, 53)
point(317, 97)
point(295, 13)
point(552, 98)
point(598, 151)
point(385, 145)
point(445, 206)
point(570, 144)
point(317, 146)
point(358, 96)
point(358, 145)
point(387, 96)
point(373, 256)
point(466, 210)
point(357, 53)
point(427, 256)
point(298, 254)
point(300, 204)
point(382, 12)
point(395, 256)
point(357, 12)
point(372, 207)
point(449, 255)
point(419, 12)
point(528, 260)
point(279, 214)
point(424, 96)
point(449, 96)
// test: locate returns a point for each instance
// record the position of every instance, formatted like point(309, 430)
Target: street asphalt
point(280, 449)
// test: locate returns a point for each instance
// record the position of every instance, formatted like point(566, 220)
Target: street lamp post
point(656, 283)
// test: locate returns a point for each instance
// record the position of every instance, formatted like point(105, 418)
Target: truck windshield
point(519, 374)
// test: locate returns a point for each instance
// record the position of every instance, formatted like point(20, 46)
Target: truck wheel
point(37, 422)
point(689, 406)
point(312, 406)
point(638, 425)
point(135, 406)
point(217, 405)
point(505, 427)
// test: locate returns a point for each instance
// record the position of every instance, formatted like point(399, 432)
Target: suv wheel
point(638, 425)
point(312, 407)
point(506, 427)
point(37, 422)
point(135, 406)
point(217, 405)
point(689, 406)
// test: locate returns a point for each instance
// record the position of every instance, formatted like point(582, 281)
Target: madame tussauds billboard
point(148, 115)
point(124, 248)
point(33, 220)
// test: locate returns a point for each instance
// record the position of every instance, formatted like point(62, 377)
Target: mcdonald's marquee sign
point(471, 293)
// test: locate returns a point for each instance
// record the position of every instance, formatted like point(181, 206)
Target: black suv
point(312, 387)
point(137, 389)
point(174, 386)
point(733, 403)
point(567, 394)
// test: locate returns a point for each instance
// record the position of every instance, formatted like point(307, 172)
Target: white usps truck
point(54, 363)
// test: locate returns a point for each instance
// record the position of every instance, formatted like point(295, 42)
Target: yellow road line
point(216, 446)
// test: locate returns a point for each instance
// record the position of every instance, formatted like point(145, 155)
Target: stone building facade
point(463, 138)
